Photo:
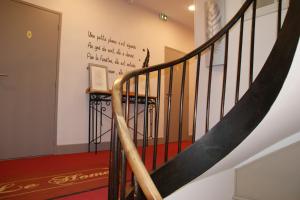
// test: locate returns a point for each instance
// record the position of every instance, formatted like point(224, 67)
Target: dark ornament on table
point(146, 62)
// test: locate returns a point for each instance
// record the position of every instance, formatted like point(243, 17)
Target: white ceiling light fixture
point(163, 16)
point(130, 1)
point(177, 12)
point(191, 7)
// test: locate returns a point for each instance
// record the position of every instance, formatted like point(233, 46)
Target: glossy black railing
point(235, 126)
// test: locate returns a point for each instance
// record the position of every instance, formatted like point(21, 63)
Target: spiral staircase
point(218, 141)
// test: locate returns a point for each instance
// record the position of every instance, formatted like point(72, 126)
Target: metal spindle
point(157, 106)
point(196, 96)
point(101, 123)
point(135, 118)
point(127, 102)
point(96, 138)
point(151, 107)
point(224, 75)
point(238, 78)
point(135, 189)
point(145, 134)
point(89, 146)
point(111, 160)
point(252, 43)
point(168, 114)
point(93, 121)
point(115, 170)
point(279, 17)
point(181, 107)
point(136, 89)
point(209, 87)
point(124, 161)
point(117, 155)
point(119, 164)
point(123, 175)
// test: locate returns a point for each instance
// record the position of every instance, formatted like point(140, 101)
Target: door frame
point(54, 142)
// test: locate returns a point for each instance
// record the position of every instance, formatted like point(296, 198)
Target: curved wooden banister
point(132, 155)
point(230, 131)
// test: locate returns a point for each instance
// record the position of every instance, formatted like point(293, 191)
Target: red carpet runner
point(60, 175)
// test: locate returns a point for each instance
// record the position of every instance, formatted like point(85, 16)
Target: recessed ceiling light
point(191, 7)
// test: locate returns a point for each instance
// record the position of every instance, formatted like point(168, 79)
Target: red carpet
point(59, 175)
point(51, 176)
point(99, 194)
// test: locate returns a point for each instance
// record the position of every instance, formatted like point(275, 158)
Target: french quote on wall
point(106, 50)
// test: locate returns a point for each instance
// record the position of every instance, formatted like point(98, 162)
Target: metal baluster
point(101, 123)
point(111, 159)
point(135, 190)
point(124, 161)
point(224, 75)
point(168, 114)
point(93, 121)
point(89, 147)
point(151, 107)
point(196, 96)
point(127, 102)
point(117, 156)
point(145, 134)
point(136, 88)
point(135, 119)
point(115, 169)
point(209, 87)
point(279, 17)
point(147, 106)
point(119, 164)
point(252, 43)
point(123, 175)
point(157, 106)
point(238, 78)
point(181, 107)
point(96, 138)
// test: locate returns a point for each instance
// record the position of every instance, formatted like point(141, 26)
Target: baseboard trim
point(82, 148)
point(239, 198)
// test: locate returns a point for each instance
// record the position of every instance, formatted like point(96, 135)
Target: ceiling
point(175, 9)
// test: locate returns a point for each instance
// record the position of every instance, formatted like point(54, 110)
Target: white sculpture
point(213, 18)
point(214, 11)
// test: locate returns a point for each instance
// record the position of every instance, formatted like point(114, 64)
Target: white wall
point(200, 38)
point(281, 122)
point(265, 34)
point(222, 185)
point(217, 187)
point(286, 101)
point(275, 176)
point(117, 19)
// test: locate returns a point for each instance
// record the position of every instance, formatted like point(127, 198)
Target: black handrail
point(195, 52)
point(241, 120)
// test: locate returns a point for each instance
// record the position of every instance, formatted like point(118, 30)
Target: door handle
point(3, 75)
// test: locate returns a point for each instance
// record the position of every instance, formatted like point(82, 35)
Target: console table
point(100, 108)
